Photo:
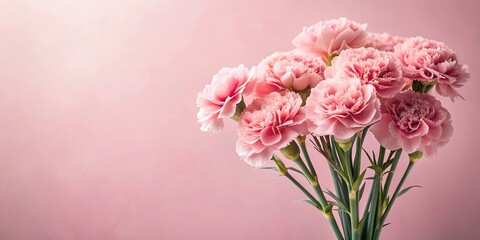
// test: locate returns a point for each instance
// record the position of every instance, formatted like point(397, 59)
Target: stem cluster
point(349, 181)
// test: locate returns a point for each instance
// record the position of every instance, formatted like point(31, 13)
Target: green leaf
point(307, 201)
point(338, 200)
point(270, 168)
point(390, 154)
point(384, 173)
point(377, 169)
point(364, 133)
point(337, 169)
point(374, 157)
point(369, 157)
point(315, 145)
point(360, 224)
point(295, 170)
point(328, 208)
point(385, 204)
point(360, 193)
point(406, 190)
point(359, 180)
point(387, 164)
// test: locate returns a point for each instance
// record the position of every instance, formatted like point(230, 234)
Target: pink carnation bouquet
point(338, 85)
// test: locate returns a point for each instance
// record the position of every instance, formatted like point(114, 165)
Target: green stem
point(345, 158)
point(354, 214)
point(307, 158)
point(381, 158)
point(344, 217)
point(373, 207)
point(358, 154)
point(345, 163)
point(396, 159)
point(305, 191)
point(394, 197)
point(327, 210)
point(375, 195)
point(337, 182)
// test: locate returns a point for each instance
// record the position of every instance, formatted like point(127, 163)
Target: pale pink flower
point(384, 41)
point(341, 107)
point(288, 70)
point(269, 124)
point(378, 68)
point(413, 121)
point(330, 37)
point(427, 60)
point(219, 99)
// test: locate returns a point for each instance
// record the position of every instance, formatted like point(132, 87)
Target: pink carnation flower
point(384, 41)
point(341, 107)
point(413, 121)
point(219, 99)
point(288, 70)
point(371, 66)
point(330, 37)
point(426, 60)
point(269, 124)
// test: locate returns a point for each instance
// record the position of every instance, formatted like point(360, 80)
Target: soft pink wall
point(98, 135)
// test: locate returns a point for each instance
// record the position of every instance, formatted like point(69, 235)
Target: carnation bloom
point(341, 107)
point(427, 60)
point(219, 99)
point(378, 68)
point(288, 70)
point(269, 124)
point(413, 121)
point(330, 37)
point(384, 41)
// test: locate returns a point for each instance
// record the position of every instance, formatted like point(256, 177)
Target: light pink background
point(98, 137)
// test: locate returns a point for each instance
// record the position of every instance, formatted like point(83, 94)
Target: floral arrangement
point(338, 84)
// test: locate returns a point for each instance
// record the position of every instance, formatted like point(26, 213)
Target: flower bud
point(423, 86)
point(280, 166)
point(301, 139)
point(345, 144)
point(291, 151)
point(415, 156)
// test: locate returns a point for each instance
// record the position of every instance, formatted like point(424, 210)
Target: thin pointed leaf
point(360, 224)
point(360, 193)
point(339, 210)
point(384, 173)
point(406, 190)
point(390, 154)
point(314, 144)
point(307, 201)
point(387, 164)
point(364, 133)
point(359, 180)
point(339, 201)
point(336, 168)
point(270, 168)
point(376, 168)
point(368, 156)
point(295, 170)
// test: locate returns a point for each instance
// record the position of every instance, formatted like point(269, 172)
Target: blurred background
point(98, 131)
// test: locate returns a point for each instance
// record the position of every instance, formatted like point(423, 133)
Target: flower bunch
point(339, 84)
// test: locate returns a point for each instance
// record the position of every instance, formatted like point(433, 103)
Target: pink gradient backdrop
point(98, 135)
